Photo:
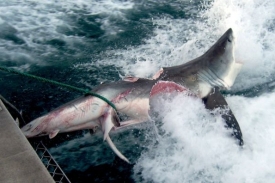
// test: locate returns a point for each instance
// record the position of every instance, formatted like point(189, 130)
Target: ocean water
point(86, 42)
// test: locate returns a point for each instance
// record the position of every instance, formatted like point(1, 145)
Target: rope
point(83, 91)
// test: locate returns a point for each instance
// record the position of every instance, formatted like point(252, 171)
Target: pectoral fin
point(53, 134)
point(110, 120)
point(216, 100)
point(116, 151)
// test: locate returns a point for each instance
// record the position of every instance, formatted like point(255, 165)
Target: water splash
point(191, 153)
point(195, 146)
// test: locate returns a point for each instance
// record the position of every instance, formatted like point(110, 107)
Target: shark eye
point(229, 40)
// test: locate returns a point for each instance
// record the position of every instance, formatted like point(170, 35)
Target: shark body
point(216, 68)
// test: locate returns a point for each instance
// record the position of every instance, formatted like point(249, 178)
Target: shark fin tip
point(53, 134)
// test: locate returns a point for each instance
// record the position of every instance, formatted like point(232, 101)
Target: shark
point(201, 77)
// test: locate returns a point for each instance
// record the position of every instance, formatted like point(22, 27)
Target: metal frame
point(54, 169)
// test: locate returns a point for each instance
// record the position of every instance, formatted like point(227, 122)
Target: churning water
point(83, 43)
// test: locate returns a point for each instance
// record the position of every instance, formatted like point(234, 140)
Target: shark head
point(221, 68)
point(215, 68)
point(34, 129)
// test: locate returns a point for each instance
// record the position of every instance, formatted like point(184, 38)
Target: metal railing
point(51, 165)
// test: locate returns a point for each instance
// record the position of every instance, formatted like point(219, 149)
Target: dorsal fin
point(156, 76)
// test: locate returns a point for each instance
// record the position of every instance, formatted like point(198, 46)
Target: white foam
point(197, 148)
point(37, 22)
point(170, 46)
point(177, 41)
point(253, 25)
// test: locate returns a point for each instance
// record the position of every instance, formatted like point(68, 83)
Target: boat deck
point(18, 161)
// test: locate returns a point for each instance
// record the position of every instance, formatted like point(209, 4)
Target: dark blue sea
point(86, 42)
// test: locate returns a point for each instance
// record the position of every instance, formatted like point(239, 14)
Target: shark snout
point(230, 35)
point(33, 129)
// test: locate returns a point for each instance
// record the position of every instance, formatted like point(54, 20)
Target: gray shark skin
point(216, 100)
point(217, 67)
point(131, 96)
